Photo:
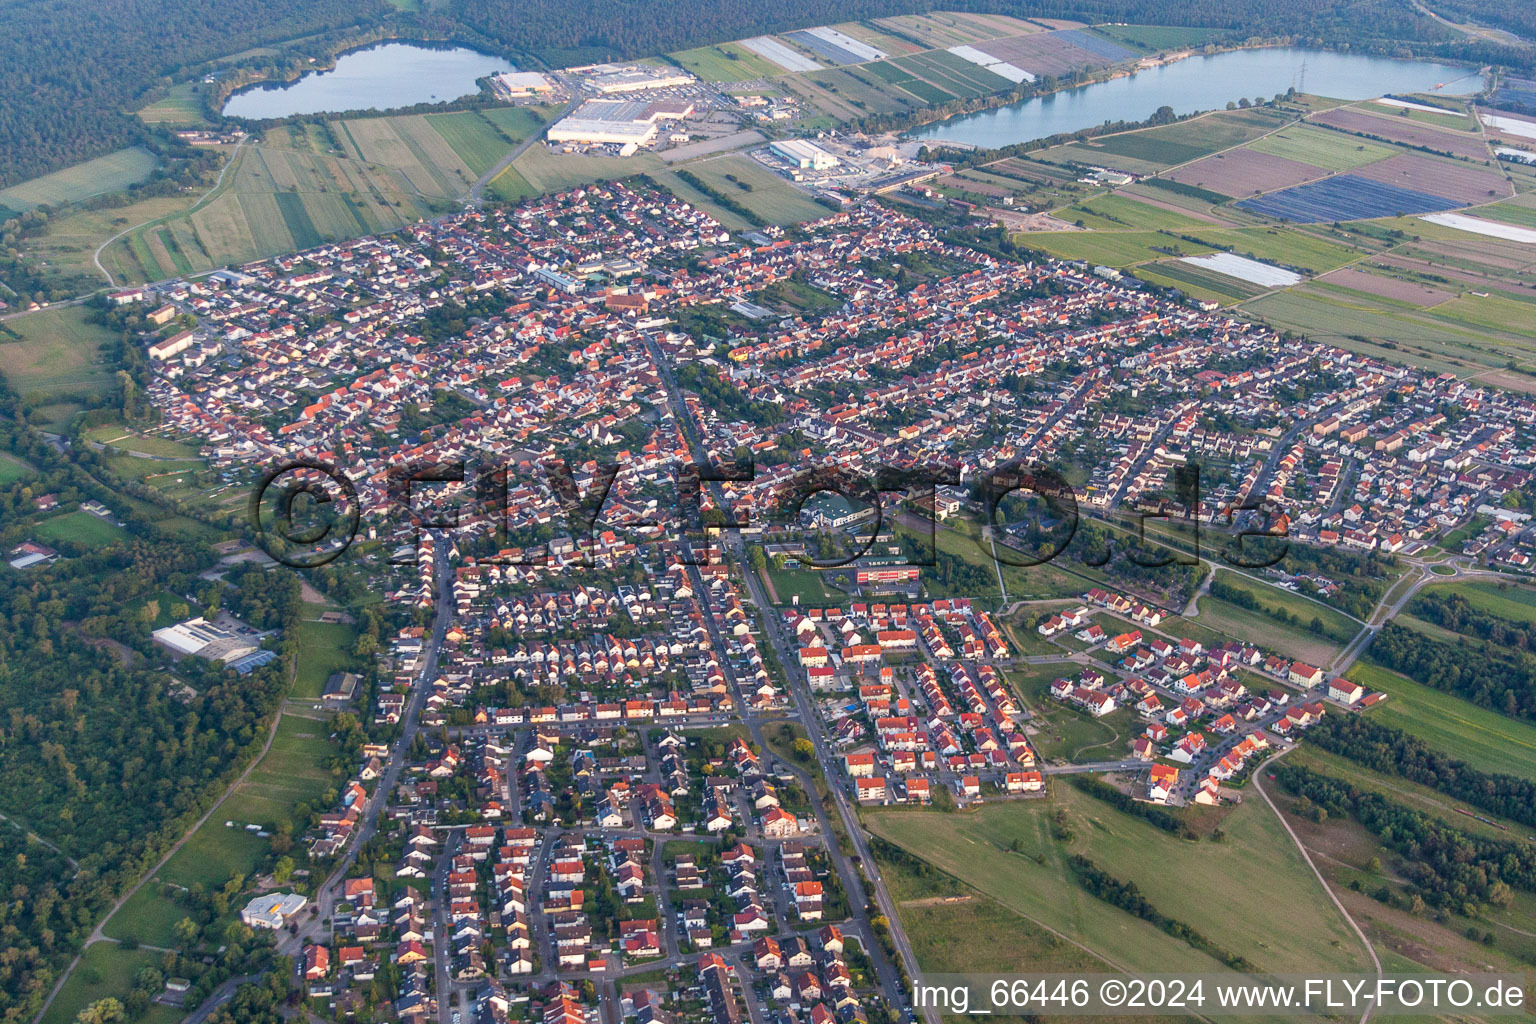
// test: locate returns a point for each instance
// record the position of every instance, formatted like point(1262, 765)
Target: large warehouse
point(804, 155)
point(617, 122)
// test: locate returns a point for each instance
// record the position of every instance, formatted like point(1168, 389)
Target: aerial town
point(624, 750)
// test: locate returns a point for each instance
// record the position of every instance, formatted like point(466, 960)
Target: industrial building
point(617, 122)
point(610, 79)
point(804, 155)
point(201, 638)
point(524, 83)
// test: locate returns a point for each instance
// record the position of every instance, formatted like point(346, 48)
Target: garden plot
point(1411, 133)
point(1466, 185)
point(1245, 269)
point(1244, 172)
point(1478, 226)
point(776, 52)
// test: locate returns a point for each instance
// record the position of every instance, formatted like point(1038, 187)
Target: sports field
point(111, 173)
point(79, 528)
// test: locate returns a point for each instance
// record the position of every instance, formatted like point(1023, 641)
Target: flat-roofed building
point(524, 83)
point(804, 155)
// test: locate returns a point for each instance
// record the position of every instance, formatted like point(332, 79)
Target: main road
point(853, 881)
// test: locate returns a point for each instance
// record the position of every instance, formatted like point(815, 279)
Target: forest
point(1455, 613)
point(73, 69)
point(1506, 683)
point(99, 756)
point(1454, 870)
point(1382, 748)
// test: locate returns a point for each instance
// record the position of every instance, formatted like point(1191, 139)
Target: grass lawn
point(118, 436)
point(1483, 738)
point(1503, 599)
point(56, 350)
point(110, 173)
point(548, 171)
point(106, 970)
point(12, 469)
point(324, 647)
point(1074, 735)
point(1295, 642)
point(1259, 869)
point(80, 527)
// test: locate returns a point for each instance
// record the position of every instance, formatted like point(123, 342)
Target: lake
point(1200, 83)
point(381, 77)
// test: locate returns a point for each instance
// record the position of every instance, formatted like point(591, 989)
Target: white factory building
point(636, 79)
point(617, 122)
point(804, 155)
point(524, 83)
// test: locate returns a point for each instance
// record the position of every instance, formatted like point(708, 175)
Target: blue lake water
point(1201, 83)
point(381, 77)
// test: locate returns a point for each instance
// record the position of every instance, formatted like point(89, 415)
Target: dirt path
point(96, 933)
point(1258, 782)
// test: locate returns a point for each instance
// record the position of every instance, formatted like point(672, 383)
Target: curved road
point(217, 184)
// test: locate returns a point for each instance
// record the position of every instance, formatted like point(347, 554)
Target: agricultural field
point(1363, 323)
point(1319, 147)
point(1484, 739)
point(1118, 212)
point(1395, 289)
point(1110, 248)
point(943, 29)
point(1405, 130)
point(1447, 179)
point(111, 173)
point(1154, 38)
point(1345, 197)
point(54, 350)
point(1197, 282)
point(411, 146)
point(179, 109)
point(1244, 172)
point(1174, 873)
point(274, 200)
point(726, 62)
